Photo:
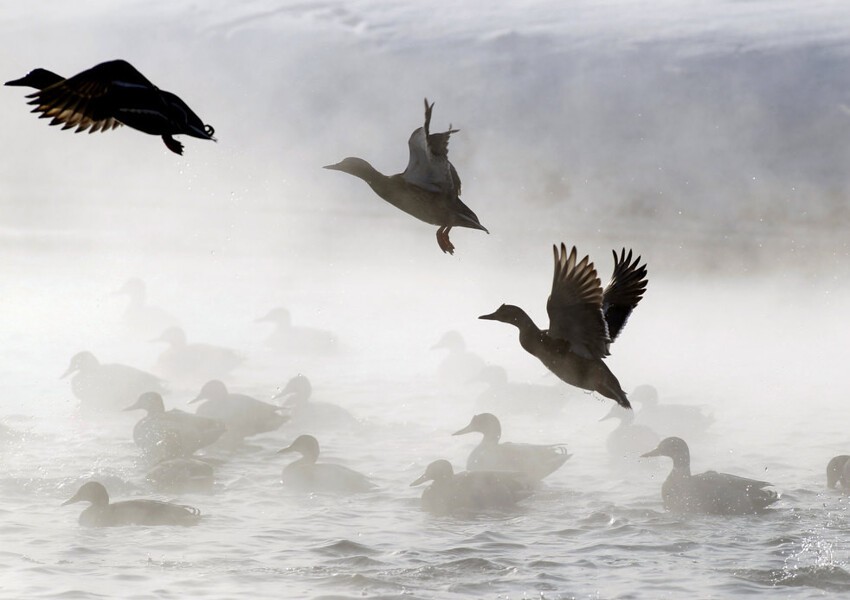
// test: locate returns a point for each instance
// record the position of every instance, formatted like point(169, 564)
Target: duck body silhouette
point(111, 94)
point(683, 420)
point(511, 397)
point(191, 364)
point(170, 434)
point(428, 189)
point(102, 513)
point(140, 318)
point(292, 339)
point(536, 461)
point(470, 491)
point(307, 475)
point(710, 492)
point(107, 388)
point(584, 320)
point(242, 415)
point(629, 440)
point(309, 415)
point(178, 475)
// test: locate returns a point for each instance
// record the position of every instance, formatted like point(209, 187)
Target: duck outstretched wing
point(91, 99)
point(622, 294)
point(575, 305)
point(429, 167)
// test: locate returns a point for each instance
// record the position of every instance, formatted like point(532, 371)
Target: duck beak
point(467, 429)
point(71, 500)
point(67, 372)
point(334, 167)
point(197, 398)
point(286, 450)
point(490, 317)
point(129, 408)
point(651, 453)
point(419, 481)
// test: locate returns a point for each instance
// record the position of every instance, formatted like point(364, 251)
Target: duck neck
point(530, 336)
point(682, 465)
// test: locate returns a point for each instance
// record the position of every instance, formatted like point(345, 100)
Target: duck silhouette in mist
point(287, 337)
point(308, 475)
point(584, 320)
point(108, 388)
point(428, 189)
point(460, 366)
point(504, 396)
point(710, 492)
point(179, 475)
point(536, 461)
point(140, 317)
point(191, 364)
point(243, 415)
point(109, 95)
point(165, 434)
point(102, 513)
point(629, 440)
point(470, 491)
point(306, 414)
point(838, 472)
point(684, 420)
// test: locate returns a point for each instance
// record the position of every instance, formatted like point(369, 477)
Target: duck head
point(90, 492)
point(81, 361)
point(354, 166)
point(835, 470)
point(174, 336)
point(451, 340)
point(134, 287)
point(674, 447)
point(506, 313)
point(485, 423)
point(38, 79)
point(306, 445)
point(211, 390)
point(297, 391)
point(647, 395)
point(439, 470)
point(149, 401)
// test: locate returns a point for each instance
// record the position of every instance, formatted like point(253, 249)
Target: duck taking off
point(429, 188)
point(710, 492)
point(584, 320)
point(109, 95)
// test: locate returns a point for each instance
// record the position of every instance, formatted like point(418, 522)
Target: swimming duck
point(837, 472)
point(171, 434)
point(470, 491)
point(111, 94)
point(110, 387)
point(583, 320)
point(429, 188)
point(629, 440)
point(460, 365)
point(308, 475)
point(194, 363)
point(179, 475)
point(710, 492)
point(684, 420)
point(243, 415)
point(129, 512)
point(304, 340)
point(140, 317)
point(308, 414)
point(534, 460)
point(512, 397)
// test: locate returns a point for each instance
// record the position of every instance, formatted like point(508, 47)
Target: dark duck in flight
point(111, 94)
point(429, 188)
point(584, 320)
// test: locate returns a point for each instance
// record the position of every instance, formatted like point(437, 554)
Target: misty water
point(710, 137)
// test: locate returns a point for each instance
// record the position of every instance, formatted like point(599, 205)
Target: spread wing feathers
point(91, 99)
point(429, 167)
point(621, 296)
point(575, 305)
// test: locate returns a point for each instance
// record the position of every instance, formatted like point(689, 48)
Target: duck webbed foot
point(443, 240)
point(173, 144)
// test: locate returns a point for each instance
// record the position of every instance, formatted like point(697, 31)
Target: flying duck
point(129, 512)
point(108, 95)
point(537, 461)
point(104, 388)
point(710, 492)
point(470, 491)
point(584, 320)
point(308, 475)
point(428, 189)
point(174, 433)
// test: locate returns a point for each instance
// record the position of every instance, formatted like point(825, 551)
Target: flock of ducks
point(584, 320)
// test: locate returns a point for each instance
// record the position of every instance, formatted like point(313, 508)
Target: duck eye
point(209, 129)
